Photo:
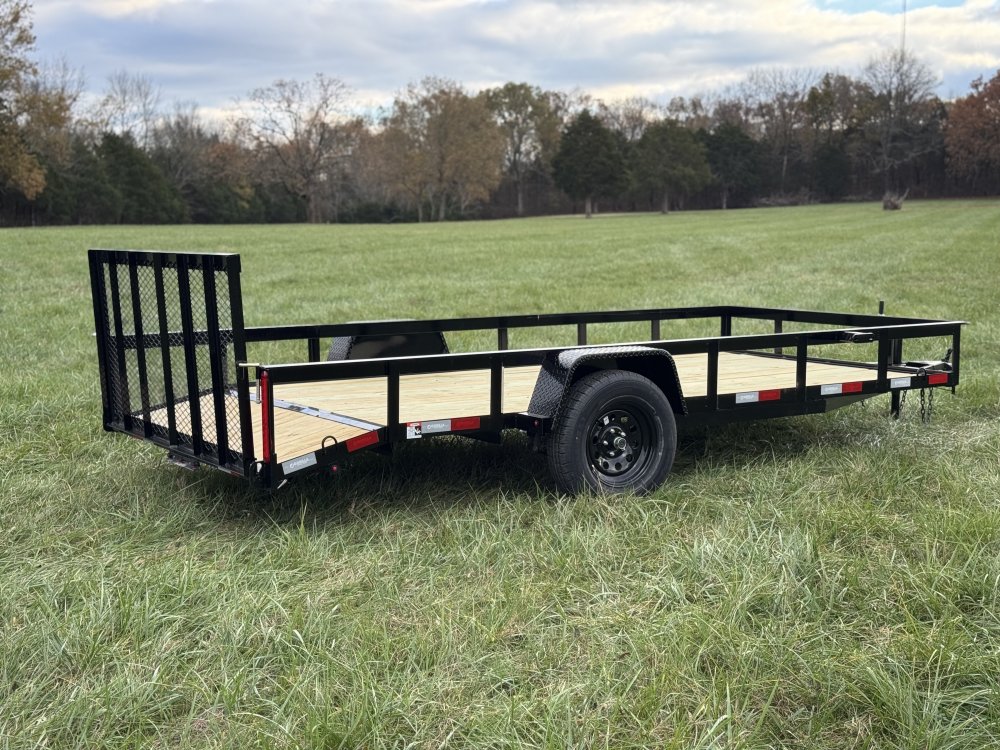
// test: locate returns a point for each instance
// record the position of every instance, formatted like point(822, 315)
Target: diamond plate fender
point(560, 370)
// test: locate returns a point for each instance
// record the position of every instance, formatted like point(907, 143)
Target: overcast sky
point(212, 51)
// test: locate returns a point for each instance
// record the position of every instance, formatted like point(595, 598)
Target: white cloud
point(104, 8)
point(212, 51)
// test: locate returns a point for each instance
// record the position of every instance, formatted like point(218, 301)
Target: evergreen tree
point(735, 160)
point(671, 161)
point(147, 197)
point(589, 163)
point(79, 190)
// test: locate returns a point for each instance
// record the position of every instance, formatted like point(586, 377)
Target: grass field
point(818, 582)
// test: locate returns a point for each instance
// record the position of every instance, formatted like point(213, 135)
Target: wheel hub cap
point(616, 442)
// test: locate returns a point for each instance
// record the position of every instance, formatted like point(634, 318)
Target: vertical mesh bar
point(140, 348)
point(112, 371)
point(122, 406)
point(228, 356)
point(168, 430)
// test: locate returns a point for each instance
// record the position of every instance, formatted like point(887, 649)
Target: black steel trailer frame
point(174, 371)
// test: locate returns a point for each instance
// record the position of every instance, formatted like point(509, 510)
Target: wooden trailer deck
point(306, 413)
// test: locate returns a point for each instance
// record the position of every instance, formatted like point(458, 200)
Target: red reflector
point(770, 395)
point(852, 387)
point(362, 441)
point(266, 437)
point(937, 378)
point(465, 423)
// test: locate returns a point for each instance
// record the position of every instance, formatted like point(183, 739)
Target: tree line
point(300, 150)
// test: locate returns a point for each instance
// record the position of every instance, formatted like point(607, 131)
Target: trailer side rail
point(887, 375)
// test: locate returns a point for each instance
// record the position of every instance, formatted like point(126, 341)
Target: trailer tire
point(615, 433)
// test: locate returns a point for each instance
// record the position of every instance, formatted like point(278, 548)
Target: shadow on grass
point(432, 475)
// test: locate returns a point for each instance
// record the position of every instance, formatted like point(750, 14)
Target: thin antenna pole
point(902, 40)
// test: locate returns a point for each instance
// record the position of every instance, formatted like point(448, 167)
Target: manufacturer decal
point(298, 464)
point(437, 425)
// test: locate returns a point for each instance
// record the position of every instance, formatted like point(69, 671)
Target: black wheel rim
point(620, 444)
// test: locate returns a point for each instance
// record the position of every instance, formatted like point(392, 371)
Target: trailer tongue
point(175, 371)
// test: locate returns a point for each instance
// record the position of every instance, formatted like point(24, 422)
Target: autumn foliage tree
point(19, 167)
point(310, 150)
point(972, 136)
point(301, 131)
point(441, 147)
point(530, 126)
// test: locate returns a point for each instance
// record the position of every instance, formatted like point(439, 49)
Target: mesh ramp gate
point(169, 330)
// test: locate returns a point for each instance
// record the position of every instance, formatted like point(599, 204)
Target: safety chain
point(926, 406)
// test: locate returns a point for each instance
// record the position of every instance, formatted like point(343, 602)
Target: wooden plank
point(439, 395)
point(182, 411)
point(739, 373)
point(295, 434)
point(446, 395)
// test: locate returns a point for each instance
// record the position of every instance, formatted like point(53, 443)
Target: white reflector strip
point(748, 397)
point(831, 390)
point(900, 382)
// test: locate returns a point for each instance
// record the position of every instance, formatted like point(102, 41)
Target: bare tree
point(778, 97)
point(303, 132)
point(130, 106)
point(566, 105)
point(59, 76)
point(181, 143)
point(630, 117)
point(901, 96)
point(692, 113)
point(730, 108)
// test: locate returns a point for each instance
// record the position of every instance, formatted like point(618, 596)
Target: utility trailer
point(172, 348)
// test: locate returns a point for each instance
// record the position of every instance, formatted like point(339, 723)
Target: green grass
point(828, 581)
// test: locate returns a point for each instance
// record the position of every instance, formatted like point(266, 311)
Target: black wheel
point(616, 433)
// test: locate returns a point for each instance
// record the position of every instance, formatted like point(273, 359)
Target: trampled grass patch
point(829, 581)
